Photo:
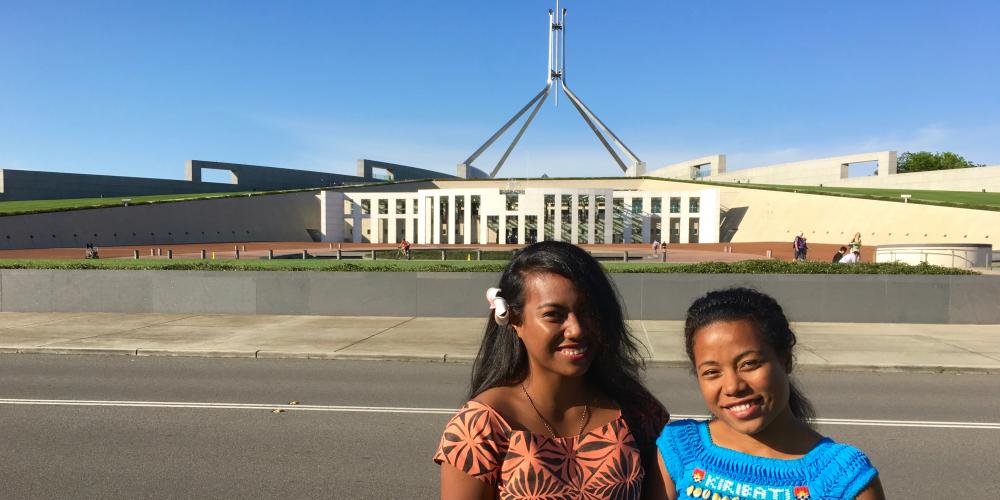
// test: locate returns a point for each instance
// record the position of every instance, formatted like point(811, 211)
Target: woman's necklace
point(584, 418)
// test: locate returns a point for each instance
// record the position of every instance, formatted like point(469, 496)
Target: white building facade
point(518, 216)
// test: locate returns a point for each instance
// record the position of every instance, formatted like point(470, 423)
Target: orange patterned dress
point(602, 463)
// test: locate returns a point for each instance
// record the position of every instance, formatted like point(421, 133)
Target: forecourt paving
point(841, 346)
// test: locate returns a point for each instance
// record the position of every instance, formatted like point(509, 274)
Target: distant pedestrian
point(840, 254)
point(800, 246)
point(404, 249)
point(850, 258)
point(656, 247)
point(855, 243)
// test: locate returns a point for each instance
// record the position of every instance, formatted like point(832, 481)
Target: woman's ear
point(516, 324)
point(786, 361)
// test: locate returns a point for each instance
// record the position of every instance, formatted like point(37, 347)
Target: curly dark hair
point(767, 317)
point(617, 367)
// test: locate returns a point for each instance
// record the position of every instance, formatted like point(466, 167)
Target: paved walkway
point(840, 346)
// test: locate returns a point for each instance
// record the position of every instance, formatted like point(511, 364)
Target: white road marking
point(441, 411)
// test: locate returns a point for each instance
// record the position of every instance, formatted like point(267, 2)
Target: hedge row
point(743, 267)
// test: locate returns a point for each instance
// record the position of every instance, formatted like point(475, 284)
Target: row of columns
point(429, 227)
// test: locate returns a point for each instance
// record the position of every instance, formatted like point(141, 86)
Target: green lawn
point(37, 206)
point(961, 199)
point(918, 195)
point(40, 206)
point(491, 266)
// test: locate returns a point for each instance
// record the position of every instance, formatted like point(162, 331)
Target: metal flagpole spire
point(556, 76)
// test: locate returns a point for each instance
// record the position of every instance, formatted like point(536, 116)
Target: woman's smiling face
point(742, 379)
point(554, 326)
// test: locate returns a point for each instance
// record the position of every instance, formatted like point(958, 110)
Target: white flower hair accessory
point(499, 306)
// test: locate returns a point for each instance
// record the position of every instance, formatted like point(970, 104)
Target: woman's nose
point(733, 383)
point(573, 328)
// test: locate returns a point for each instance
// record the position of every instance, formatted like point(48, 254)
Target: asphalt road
point(345, 440)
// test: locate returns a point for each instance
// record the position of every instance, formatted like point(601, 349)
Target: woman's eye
point(709, 373)
point(752, 363)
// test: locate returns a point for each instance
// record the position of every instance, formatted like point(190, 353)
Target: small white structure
point(963, 256)
point(517, 216)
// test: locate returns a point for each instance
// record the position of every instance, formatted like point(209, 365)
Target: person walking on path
point(800, 246)
point(556, 408)
point(760, 441)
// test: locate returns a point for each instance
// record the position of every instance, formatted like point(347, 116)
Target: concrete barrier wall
point(833, 171)
point(278, 217)
point(830, 298)
point(778, 216)
point(29, 185)
point(964, 179)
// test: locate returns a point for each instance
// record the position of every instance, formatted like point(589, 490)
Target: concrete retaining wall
point(29, 185)
point(278, 217)
point(831, 298)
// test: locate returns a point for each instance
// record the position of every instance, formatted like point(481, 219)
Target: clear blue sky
point(136, 88)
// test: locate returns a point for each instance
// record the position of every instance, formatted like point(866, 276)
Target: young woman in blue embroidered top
point(759, 443)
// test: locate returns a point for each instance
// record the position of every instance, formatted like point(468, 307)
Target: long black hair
point(618, 363)
point(767, 318)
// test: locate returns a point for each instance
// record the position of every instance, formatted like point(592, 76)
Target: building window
point(694, 204)
point(599, 219)
point(443, 217)
point(459, 218)
point(474, 223)
point(693, 230)
point(636, 206)
point(618, 220)
point(675, 230)
point(530, 229)
point(492, 229)
point(550, 217)
point(566, 214)
point(511, 237)
point(400, 207)
point(512, 202)
point(582, 214)
point(366, 207)
point(383, 207)
point(675, 205)
point(656, 205)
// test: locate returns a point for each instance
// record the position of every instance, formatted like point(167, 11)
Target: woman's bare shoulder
point(498, 398)
point(503, 401)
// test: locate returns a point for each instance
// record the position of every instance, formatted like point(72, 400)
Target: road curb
point(454, 358)
point(899, 368)
point(77, 350)
point(361, 356)
point(195, 353)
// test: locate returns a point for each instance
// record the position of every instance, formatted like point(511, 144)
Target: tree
point(923, 161)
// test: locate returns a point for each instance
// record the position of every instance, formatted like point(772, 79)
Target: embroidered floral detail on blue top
point(702, 470)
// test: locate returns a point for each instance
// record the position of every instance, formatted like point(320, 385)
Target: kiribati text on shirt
point(709, 486)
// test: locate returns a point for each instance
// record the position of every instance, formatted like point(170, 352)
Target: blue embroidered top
point(700, 469)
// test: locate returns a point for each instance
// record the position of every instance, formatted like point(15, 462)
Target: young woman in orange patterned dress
point(557, 408)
